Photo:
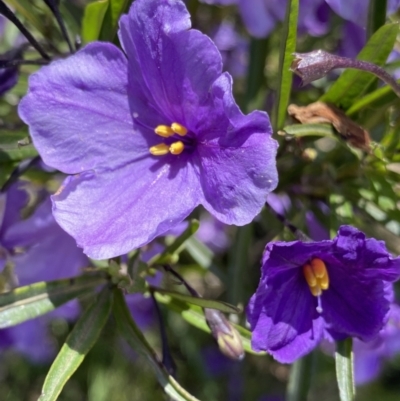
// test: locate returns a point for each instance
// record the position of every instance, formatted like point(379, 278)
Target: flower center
point(316, 275)
point(175, 148)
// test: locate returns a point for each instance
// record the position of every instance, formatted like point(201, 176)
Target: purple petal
point(369, 254)
point(11, 204)
point(261, 16)
point(78, 111)
point(170, 191)
point(173, 68)
point(283, 317)
point(238, 169)
point(352, 10)
point(352, 304)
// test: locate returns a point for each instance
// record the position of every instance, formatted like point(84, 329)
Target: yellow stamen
point(164, 131)
point(179, 129)
point(316, 291)
point(318, 267)
point(159, 150)
point(324, 281)
point(176, 148)
point(309, 275)
point(316, 275)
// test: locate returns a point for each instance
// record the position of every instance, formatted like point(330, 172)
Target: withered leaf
point(320, 113)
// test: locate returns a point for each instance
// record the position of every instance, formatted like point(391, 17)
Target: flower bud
point(228, 338)
point(313, 65)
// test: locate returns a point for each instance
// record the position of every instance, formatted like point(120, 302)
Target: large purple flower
point(147, 137)
point(327, 289)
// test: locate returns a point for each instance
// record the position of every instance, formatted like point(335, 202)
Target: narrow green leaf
point(302, 130)
point(202, 302)
point(288, 47)
point(353, 83)
point(28, 302)
point(300, 379)
point(344, 369)
point(81, 339)
point(376, 16)
point(93, 18)
point(138, 342)
point(110, 24)
point(194, 315)
point(378, 98)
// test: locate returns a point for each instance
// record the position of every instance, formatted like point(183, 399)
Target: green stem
point(301, 375)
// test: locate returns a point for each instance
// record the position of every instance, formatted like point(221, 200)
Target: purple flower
point(326, 289)
point(149, 137)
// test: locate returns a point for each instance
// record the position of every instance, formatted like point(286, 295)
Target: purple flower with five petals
point(313, 290)
point(148, 136)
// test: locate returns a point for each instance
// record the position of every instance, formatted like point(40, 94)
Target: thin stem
point(344, 62)
point(300, 379)
point(4, 10)
point(56, 12)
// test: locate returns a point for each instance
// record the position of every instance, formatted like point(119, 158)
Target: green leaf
point(288, 47)
point(111, 18)
point(376, 16)
point(11, 150)
point(302, 130)
point(138, 342)
point(353, 83)
point(79, 342)
point(344, 369)
point(93, 20)
point(194, 315)
point(28, 302)
point(203, 302)
point(378, 98)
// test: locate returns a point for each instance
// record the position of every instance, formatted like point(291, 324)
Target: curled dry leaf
point(322, 113)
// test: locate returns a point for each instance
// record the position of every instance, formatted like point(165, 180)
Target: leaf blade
point(138, 342)
point(288, 47)
point(202, 302)
point(78, 344)
point(34, 300)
